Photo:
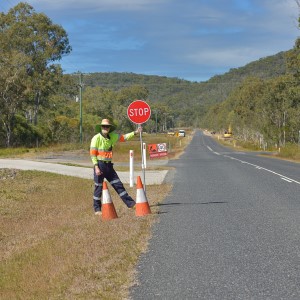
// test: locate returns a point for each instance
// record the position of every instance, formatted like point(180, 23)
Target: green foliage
point(264, 109)
point(29, 42)
point(26, 133)
point(261, 111)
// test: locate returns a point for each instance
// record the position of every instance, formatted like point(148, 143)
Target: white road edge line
point(270, 171)
point(286, 179)
point(260, 168)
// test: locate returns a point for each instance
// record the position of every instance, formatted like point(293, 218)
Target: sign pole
point(139, 112)
point(143, 161)
point(145, 155)
point(131, 168)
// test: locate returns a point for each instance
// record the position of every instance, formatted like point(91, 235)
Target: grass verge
point(289, 152)
point(175, 146)
point(53, 247)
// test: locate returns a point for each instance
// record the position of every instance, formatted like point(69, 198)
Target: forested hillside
point(264, 110)
point(216, 89)
point(187, 102)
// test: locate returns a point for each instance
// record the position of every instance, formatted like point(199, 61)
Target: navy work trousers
point(108, 172)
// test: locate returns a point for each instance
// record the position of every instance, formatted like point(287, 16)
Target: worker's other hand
point(97, 171)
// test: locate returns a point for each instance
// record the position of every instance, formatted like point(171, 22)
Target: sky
point(187, 39)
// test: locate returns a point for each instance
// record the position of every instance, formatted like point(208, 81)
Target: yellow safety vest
point(101, 147)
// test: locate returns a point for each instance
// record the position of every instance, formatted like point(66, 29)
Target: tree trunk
point(36, 107)
point(8, 133)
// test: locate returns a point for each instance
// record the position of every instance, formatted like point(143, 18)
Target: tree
point(36, 42)
point(275, 108)
point(14, 89)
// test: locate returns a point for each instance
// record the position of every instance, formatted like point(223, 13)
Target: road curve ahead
point(229, 230)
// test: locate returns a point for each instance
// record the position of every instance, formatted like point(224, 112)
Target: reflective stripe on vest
point(101, 154)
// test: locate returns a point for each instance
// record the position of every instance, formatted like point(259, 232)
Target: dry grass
point(53, 247)
point(175, 146)
point(290, 152)
point(121, 150)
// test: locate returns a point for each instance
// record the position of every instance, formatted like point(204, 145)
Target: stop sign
point(139, 112)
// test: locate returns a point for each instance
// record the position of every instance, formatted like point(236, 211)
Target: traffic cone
point(108, 208)
point(142, 205)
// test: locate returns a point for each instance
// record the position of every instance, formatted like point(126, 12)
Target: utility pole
point(166, 127)
point(156, 121)
point(80, 105)
point(284, 116)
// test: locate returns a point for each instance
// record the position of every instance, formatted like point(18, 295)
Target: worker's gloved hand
point(139, 129)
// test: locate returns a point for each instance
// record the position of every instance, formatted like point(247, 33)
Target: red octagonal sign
point(139, 112)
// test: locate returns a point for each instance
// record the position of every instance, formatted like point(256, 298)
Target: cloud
point(225, 57)
point(98, 5)
point(172, 37)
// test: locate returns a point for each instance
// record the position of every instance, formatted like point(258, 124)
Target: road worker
point(101, 152)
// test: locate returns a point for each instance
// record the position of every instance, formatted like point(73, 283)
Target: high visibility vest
point(101, 147)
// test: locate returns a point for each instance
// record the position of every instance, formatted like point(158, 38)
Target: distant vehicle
point(228, 134)
point(181, 132)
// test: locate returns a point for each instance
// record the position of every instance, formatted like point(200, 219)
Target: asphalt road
point(230, 229)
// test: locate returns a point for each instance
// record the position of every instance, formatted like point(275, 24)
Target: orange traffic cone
point(142, 205)
point(108, 208)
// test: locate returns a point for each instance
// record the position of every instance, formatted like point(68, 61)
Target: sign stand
point(143, 162)
point(131, 168)
point(139, 112)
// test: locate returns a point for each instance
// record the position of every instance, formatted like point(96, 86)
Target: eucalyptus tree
point(246, 98)
point(14, 90)
point(280, 106)
point(33, 43)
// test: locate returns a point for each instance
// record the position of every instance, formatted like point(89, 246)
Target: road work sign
point(157, 150)
point(139, 112)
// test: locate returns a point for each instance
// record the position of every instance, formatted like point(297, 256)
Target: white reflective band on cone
point(140, 196)
point(106, 197)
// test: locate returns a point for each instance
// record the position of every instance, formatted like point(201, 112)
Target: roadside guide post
point(139, 112)
point(131, 168)
point(144, 155)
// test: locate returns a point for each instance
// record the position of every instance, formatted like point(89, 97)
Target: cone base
point(142, 209)
point(108, 212)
